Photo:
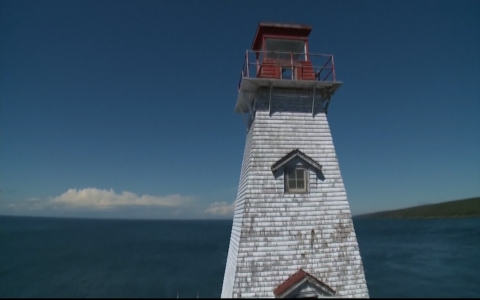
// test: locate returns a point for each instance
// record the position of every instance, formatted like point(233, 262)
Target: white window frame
point(303, 190)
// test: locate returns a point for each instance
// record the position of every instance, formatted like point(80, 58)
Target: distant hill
point(452, 209)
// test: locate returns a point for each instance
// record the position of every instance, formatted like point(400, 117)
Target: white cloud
point(106, 203)
point(220, 208)
point(93, 198)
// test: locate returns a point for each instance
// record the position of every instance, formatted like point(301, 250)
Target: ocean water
point(47, 257)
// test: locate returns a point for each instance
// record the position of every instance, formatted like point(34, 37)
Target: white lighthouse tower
point(292, 233)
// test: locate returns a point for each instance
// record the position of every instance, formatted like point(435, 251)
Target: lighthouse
point(292, 234)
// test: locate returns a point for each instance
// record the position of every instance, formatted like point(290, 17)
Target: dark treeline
point(452, 209)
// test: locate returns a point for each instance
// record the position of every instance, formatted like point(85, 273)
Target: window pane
point(291, 174)
point(300, 184)
point(292, 184)
point(286, 73)
point(300, 174)
point(285, 49)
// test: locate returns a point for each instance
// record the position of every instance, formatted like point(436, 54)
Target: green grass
point(465, 208)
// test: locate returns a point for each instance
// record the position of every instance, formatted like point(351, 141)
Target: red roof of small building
point(280, 29)
point(294, 279)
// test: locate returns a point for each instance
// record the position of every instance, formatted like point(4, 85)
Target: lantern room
point(281, 52)
point(280, 60)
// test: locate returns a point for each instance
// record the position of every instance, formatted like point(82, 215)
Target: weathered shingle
point(275, 234)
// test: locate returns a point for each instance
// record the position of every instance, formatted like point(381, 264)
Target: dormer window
point(296, 180)
point(296, 167)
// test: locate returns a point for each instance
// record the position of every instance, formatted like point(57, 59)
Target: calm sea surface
point(41, 257)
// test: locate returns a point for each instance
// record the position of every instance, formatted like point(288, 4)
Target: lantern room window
point(285, 49)
point(296, 180)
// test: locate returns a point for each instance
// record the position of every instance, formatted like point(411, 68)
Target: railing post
point(291, 62)
point(246, 59)
point(240, 81)
point(333, 68)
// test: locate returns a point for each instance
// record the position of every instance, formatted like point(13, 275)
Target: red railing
point(288, 66)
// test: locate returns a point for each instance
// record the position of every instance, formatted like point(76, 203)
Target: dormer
point(295, 166)
point(303, 285)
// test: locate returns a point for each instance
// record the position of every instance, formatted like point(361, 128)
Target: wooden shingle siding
point(269, 69)
point(307, 71)
point(272, 231)
point(231, 266)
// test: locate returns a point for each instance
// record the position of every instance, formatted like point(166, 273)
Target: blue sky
point(125, 108)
